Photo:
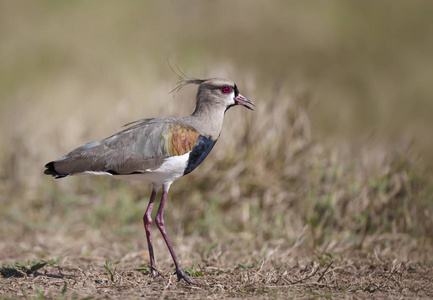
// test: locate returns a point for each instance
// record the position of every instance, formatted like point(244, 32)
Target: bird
point(158, 150)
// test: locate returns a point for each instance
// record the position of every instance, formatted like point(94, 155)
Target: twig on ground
point(324, 272)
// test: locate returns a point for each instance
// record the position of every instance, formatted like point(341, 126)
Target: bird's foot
point(153, 272)
point(181, 274)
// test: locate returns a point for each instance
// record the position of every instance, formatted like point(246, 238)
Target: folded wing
point(138, 149)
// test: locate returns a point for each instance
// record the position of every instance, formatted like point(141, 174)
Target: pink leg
point(159, 219)
point(147, 220)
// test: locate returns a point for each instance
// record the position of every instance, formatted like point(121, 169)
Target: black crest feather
point(183, 79)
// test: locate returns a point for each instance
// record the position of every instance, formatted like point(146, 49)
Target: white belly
point(171, 169)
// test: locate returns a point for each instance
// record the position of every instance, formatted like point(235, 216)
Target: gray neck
point(208, 121)
point(208, 115)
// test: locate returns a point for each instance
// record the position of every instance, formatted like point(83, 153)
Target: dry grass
point(284, 273)
point(323, 191)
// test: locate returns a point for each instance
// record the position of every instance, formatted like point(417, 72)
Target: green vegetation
point(27, 268)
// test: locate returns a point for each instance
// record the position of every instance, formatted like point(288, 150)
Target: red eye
point(226, 89)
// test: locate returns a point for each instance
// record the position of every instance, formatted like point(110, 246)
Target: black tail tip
point(50, 170)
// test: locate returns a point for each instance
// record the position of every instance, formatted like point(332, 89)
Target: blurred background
point(337, 152)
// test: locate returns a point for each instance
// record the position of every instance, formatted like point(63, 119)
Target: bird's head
point(223, 92)
point(217, 92)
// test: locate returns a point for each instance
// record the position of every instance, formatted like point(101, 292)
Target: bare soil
point(354, 274)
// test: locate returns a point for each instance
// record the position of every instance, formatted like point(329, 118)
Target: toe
point(181, 274)
point(153, 273)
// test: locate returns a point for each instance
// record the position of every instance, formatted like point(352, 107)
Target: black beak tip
point(250, 103)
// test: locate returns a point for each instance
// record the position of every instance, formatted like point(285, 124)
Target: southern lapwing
point(158, 150)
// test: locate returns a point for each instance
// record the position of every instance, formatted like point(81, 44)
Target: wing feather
point(139, 148)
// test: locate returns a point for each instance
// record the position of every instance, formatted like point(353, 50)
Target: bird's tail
point(51, 170)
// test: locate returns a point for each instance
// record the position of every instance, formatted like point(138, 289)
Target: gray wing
point(141, 147)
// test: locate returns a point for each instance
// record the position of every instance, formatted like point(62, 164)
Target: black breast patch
point(199, 152)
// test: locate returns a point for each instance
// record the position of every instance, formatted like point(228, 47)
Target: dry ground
point(350, 275)
point(279, 272)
